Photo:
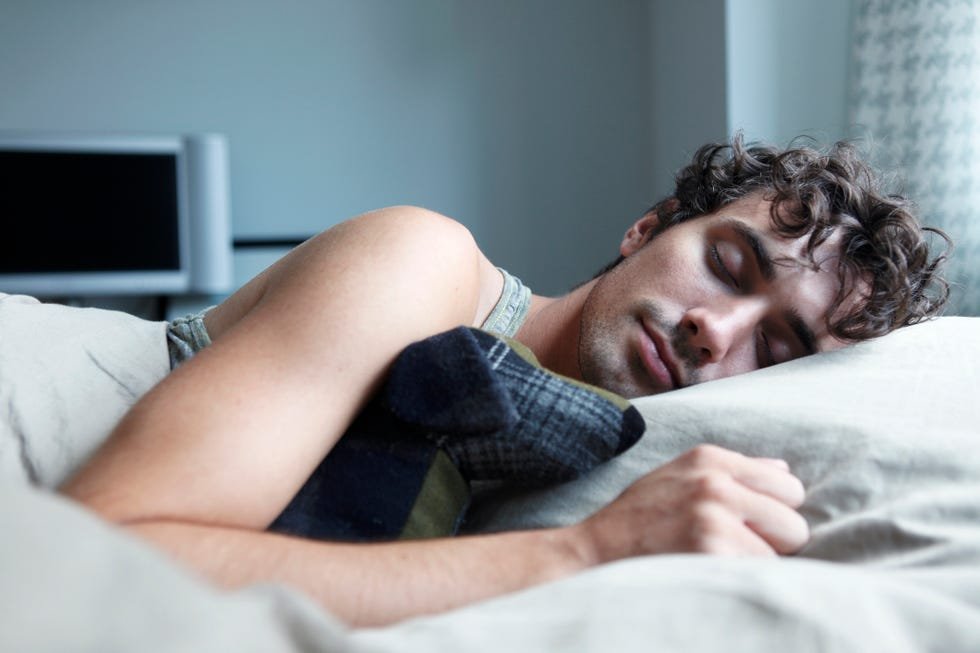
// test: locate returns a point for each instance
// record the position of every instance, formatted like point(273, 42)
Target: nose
point(715, 331)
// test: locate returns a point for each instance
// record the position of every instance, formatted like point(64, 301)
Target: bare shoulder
point(431, 257)
point(410, 226)
point(426, 243)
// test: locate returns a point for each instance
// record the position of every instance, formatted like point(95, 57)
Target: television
point(99, 214)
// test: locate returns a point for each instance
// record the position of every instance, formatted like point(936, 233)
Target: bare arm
point(229, 438)
point(373, 584)
point(708, 500)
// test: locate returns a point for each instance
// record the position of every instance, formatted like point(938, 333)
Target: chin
point(633, 393)
point(624, 387)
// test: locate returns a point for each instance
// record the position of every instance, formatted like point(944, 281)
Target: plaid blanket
point(465, 405)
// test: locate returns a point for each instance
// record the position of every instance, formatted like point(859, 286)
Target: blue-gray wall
point(687, 83)
point(787, 68)
point(545, 126)
point(529, 121)
point(772, 69)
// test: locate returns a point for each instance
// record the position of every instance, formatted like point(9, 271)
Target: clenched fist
point(708, 500)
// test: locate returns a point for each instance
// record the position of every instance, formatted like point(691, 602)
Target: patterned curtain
point(916, 90)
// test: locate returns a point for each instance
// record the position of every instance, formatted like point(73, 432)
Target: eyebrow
point(767, 268)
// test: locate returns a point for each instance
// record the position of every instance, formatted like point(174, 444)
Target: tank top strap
point(511, 309)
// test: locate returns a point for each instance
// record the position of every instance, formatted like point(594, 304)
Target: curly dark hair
point(818, 192)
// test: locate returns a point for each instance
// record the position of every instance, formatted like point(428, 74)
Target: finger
point(759, 474)
point(762, 475)
point(726, 533)
point(778, 462)
point(780, 526)
point(718, 497)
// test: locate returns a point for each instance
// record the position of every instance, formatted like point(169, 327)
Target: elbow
point(113, 507)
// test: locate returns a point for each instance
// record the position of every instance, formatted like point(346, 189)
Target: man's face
point(711, 297)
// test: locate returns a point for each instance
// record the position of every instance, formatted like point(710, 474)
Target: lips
point(657, 359)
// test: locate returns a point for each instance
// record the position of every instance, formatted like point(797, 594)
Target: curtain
point(916, 92)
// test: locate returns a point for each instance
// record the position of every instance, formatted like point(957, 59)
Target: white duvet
point(884, 435)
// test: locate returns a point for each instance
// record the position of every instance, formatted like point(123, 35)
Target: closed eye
point(726, 274)
point(764, 351)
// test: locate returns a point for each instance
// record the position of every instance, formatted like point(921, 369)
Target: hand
point(708, 500)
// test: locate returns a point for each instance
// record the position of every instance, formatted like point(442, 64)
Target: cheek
point(670, 271)
point(685, 276)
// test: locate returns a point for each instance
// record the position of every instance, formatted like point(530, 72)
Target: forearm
point(374, 584)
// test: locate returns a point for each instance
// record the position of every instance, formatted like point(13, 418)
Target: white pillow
point(885, 435)
point(67, 375)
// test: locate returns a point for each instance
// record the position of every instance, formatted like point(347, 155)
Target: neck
point(552, 330)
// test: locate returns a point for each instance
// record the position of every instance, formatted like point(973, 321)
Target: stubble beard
point(604, 357)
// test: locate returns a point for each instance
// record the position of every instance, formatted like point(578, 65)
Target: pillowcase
point(885, 436)
point(67, 375)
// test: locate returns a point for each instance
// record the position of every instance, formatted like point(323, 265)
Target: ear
point(639, 233)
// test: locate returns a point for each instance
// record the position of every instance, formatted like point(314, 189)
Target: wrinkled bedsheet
point(884, 436)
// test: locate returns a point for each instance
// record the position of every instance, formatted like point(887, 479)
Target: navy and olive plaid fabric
point(501, 416)
point(461, 406)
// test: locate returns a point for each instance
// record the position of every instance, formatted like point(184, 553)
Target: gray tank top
point(187, 335)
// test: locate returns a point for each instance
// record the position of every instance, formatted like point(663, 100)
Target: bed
point(884, 435)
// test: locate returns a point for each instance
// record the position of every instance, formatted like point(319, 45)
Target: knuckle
point(704, 455)
point(711, 487)
point(705, 517)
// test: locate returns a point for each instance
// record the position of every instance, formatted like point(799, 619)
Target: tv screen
point(107, 212)
point(93, 217)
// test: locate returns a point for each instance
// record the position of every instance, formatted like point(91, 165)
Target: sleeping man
point(760, 256)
